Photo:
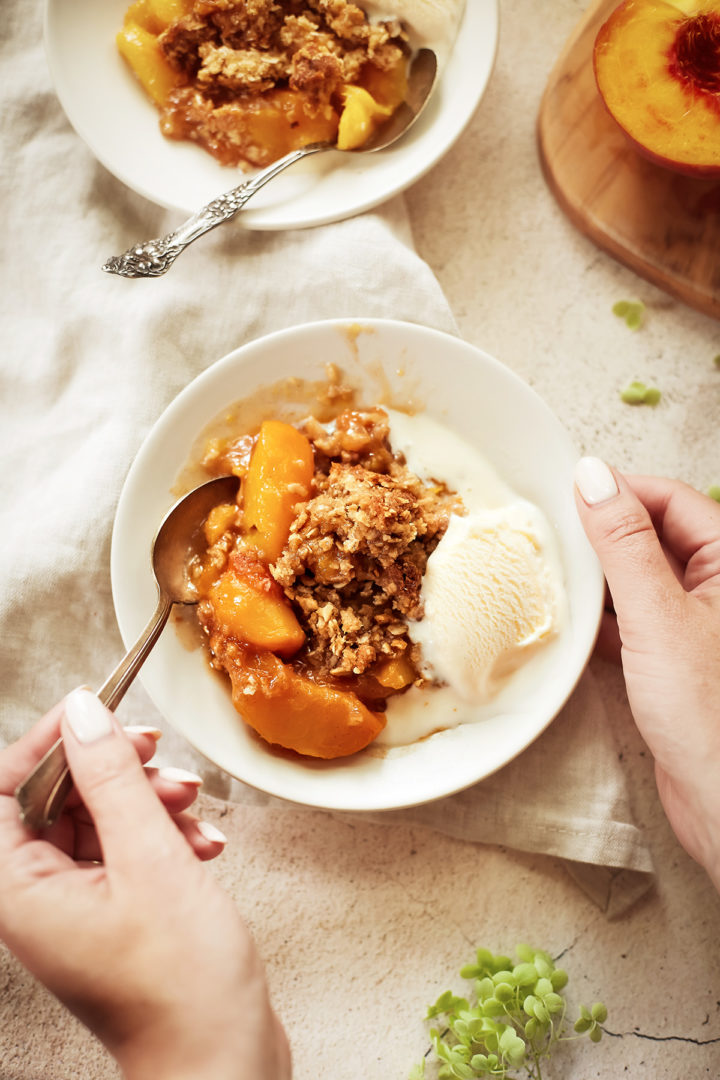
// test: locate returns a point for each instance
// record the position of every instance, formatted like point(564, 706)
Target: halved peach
point(657, 66)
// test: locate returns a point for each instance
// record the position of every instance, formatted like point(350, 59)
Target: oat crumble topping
point(229, 53)
point(353, 563)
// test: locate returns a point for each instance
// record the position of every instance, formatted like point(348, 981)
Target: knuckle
point(30, 861)
point(108, 777)
point(631, 527)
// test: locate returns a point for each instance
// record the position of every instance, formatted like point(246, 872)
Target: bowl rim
point(456, 100)
point(584, 634)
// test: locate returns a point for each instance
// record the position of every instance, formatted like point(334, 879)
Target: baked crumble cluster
point(351, 563)
point(357, 550)
point(236, 56)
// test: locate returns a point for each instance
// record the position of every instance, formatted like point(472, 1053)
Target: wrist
point(173, 1063)
point(712, 867)
point(231, 1051)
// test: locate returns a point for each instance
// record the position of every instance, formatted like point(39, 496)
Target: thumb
point(644, 588)
point(131, 823)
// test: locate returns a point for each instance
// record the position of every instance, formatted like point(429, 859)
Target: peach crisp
point(252, 80)
point(308, 582)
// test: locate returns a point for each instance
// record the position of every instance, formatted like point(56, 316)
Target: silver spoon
point(43, 792)
point(155, 257)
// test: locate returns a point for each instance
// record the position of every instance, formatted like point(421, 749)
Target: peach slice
point(657, 66)
point(396, 673)
point(290, 710)
point(249, 605)
point(360, 116)
point(142, 51)
point(278, 478)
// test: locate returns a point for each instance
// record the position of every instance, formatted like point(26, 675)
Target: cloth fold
point(564, 796)
point(91, 361)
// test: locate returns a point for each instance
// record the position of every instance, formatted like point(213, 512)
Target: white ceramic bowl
point(109, 110)
point(463, 388)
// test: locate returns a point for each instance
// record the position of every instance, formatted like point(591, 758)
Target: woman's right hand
point(114, 912)
point(659, 544)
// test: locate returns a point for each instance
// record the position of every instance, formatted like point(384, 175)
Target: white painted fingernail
point(142, 729)
point(87, 716)
point(211, 833)
point(595, 481)
point(179, 776)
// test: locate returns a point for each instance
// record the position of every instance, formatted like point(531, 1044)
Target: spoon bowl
point(153, 258)
point(42, 794)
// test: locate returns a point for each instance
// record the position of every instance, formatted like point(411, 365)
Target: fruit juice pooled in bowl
point(374, 575)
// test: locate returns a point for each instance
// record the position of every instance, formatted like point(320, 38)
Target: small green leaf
point(583, 1024)
point(504, 992)
point(492, 1007)
point(504, 977)
point(543, 967)
point(637, 393)
point(599, 1012)
point(525, 974)
point(447, 1002)
point(417, 1072)
point(461, 1030)
point(632, 311)
point(484, 988)
point(471, 971)
point(595, 1033)
point(541, 1013)
point(559, 979)
point(477, 1029)
point(516, 1052)
point(485, 959)
point(554, 1003)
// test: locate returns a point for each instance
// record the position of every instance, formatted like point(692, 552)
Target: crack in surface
point(573, 943)
point(659, 1038)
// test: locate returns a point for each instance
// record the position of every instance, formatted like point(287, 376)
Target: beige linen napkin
point(89, 362)
point(565, 796)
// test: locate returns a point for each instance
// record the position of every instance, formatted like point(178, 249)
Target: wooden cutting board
point(663, 225)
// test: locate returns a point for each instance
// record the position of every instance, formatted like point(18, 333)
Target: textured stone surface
point(361, 926)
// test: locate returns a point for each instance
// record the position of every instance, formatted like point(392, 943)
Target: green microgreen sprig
point(637, 393)
point(632, 311)
point(513, 1019)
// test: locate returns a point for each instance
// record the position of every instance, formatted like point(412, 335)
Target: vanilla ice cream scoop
point(490, 594)
point(432, 23)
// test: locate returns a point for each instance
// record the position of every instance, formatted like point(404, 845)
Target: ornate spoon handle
point(155, 257)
